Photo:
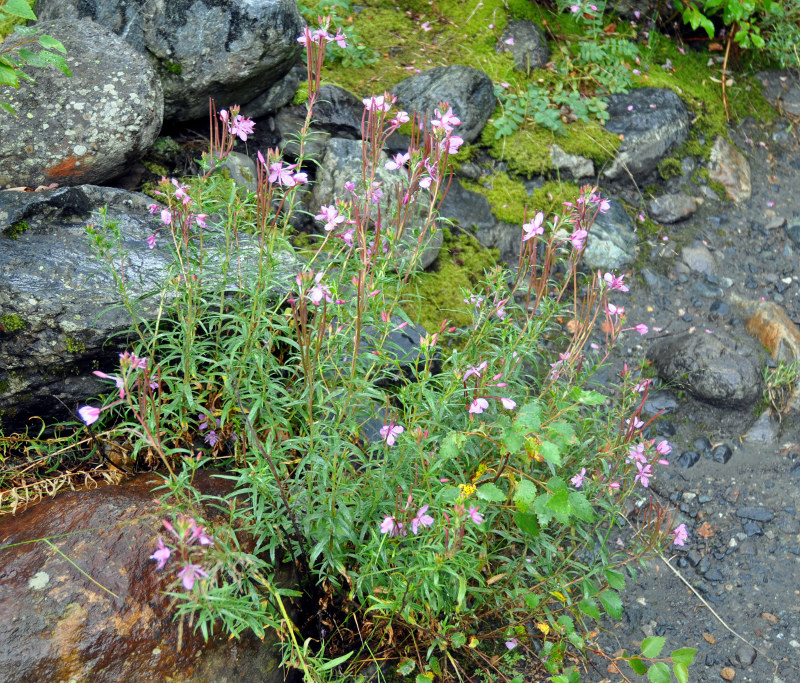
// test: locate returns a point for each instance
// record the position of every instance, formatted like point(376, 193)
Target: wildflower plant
point(447, 510)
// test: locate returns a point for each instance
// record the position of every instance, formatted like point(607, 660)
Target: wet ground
point(734, 591)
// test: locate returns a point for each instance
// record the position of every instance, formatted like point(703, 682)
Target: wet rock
point(571, 164)
point(719, 308)
point(729, 167)
point(469, 91)
point(660, 402)
point(793, 231)
point(612, 239)
point(752, 528)
point(765, 429)
point(757, 514)
point(241, 169)
point(527, 44)
point(87, 128)
point(721, 453)
point(110, 621)
point(58, 302)
point(687, 459)
point(712, 368)
point(699, 258)
point(702, 445)
point(671, 208)
point(653, 121)
point(470, 210)
point(229, 50)
point(782, 89)
point(342, 163)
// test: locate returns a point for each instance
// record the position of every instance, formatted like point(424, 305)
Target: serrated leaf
point(525, 495)
point(527, 523)
point(491, 493)
point(591, 398)
point(8, 76)
point(638, 666)
point(18, 8)
point(549, 451)
point(452, 446)
point(406, 666)
point(529, 418)
point(51, 43)
point(589, 608)
point(449, 494)
point(615, 579)
point(612, 603)
point(651, 647)
point(513, 440)
point(581, 507)
point(681, 673)
point(683, 655)
point(559, 504)
point(659, 673)
point(532, 600)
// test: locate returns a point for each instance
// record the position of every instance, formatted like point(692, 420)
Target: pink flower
point(421, 519)
point(166, 216)
point(190, 573)
point(613, 485)
point(340, 38)
point(319, 292)
point(681, 535)
point(575, 9)
point(379, 102)
point(644, 474)
point(636, 453)
point(278, 173)
point(472, 370)
point(400, 118)
point(615, 282)
point(663, 448)
point(426, 26)
point(117, 380)
point(331, 215)
point(508, 404)
point(577, 480)
point(397, 161)
point(512, 643)
point(161, 555)
point(474, 515)
point(389, 432)
point(611, 309)
point(642, 329)
point(452, 143)
point(89, 414)
point(509, 41)
point(641, 386)
point(446, 120)
point(199, 534)
point(478, 405)
point(200, 219)
point(151, 241)
point(533, 228)
point(387, 525)
point(578, 238)
point(241, 127)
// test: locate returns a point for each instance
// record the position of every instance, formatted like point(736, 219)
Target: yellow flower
point(479, 473)
point(466, 491)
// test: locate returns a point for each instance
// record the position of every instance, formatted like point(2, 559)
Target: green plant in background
point(782, 31)
point(780, 383)
point(15, 56)
point(351, 52)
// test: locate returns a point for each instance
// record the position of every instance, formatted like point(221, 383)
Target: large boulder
point(88, 605)
point(226, 49)
point(652, 121)
point(59, 305)
point(712, 368)
point(469, 91)
point(612, 240)
point(83, 129)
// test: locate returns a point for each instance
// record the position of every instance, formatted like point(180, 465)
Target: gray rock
point(612, 240)
point(229, 50)
point(279, 95)
point(64, 303)
point(529, 46)
point(468, 91)
point(757, 514)
point(781, 88)
point(792, 229)
point(765, 429)
point(573, 165)
point(698, 257)
point(712, 368)
point(83, 129)
point(506, 238)
point(729, 167)
point(242, 170)
point(671, 208)
point(342, 163)
point(657, 122)
point(660, 402)
point(745, 654)
point(469, 209)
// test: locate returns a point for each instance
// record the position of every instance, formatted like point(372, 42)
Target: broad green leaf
point(525, 495)
point(8, 76)
point(532, 600)
point(335, 662)
point(549, 451)
point(19, 8)
point(491, 493)
point(559, 504)
point(32, 58)
point(424, 678)
point(581, 507)
point(615, 579)
point(449, 494)
point(612, 603)
point(651, 647)
point(638, 666)
point(683, 655)
point(681, 672)
point(591, 398)
point(527, 523)
point(589, 608)
point(26, 30)
point(7, 107)
point(52, 44)
point(56, 60)
point(458, 640)
point(659, 673)
point(513, 440)
point(405, 667)
point(452, 445)
point(529, 418)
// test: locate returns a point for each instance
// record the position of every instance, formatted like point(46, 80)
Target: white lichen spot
point(78, 105)
point(109, 87)
point(38, 581)
point(79, 150)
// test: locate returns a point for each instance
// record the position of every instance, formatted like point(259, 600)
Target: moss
point(155, 168)
point(301, 96)
point(12, 322)
point(16, 229)
point(670, 168)
point(166, 145)
point(431, 296)
point(172, 67)
point(74, 345)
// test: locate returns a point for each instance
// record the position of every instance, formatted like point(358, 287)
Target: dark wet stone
point(788, 525)
point(757, 514)
point(702, 445)
point(469, 209)
point(793, 231)
point(671, 208)
point(745, 654)
point(529, 46)
point(713, 575)
point(660, 401)
point(694, 557)
point(720, 308)
point(58, 625)
point(687, 459)
point(721, 453)
point(705, 290)
point(665, 428)
point(752, 528)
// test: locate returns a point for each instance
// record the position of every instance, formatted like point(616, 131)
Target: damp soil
point(733, 592)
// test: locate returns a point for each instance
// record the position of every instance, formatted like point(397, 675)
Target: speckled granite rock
point(83, 129)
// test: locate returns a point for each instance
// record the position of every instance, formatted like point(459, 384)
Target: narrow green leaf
point(659, 673)
point(327, 666)
point(638, 666)
point(651, 647)
point(491, 493)
point(681, 673)
point(18, 8)
point(52, 44)
point(5, 106)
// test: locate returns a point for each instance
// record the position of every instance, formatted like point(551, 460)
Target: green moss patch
point(14, 231)
point(12, 322)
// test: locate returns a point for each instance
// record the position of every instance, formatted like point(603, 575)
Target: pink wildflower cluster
point(178, 214)
point(279, 173)
point(129, 364)
point(322, 33)
point(238, 125)
point(481, 403)
point(187, 538)
point(392, 526)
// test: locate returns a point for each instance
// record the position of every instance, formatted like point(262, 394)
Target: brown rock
point(729, 167)
point(728, 674)
point(86, 604)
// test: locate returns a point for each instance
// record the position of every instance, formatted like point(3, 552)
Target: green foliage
point(12, 322)
point(742, 17)
point(357, 54)
point(15, 56)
